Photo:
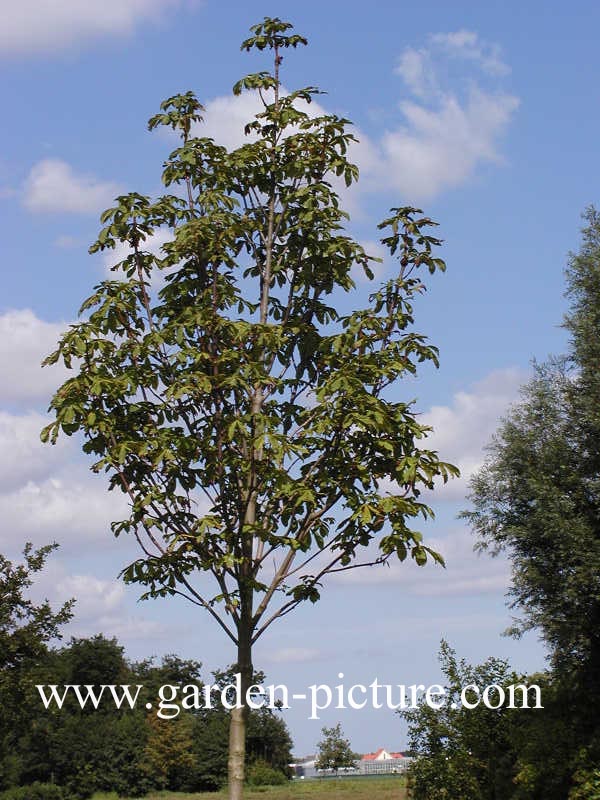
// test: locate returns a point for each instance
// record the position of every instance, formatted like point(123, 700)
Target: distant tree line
point(130, 751)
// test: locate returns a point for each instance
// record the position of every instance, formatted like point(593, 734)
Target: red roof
point(374, 756)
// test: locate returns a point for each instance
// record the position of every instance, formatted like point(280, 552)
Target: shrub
point(262, 774)
point(36, 791)
point(587, 786)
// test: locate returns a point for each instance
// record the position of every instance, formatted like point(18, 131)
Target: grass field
point(330, 789)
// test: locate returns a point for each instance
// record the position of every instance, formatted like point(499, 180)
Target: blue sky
point(486, 115)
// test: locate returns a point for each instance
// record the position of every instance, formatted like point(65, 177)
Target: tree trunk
point(237, 753)
point(239, 716)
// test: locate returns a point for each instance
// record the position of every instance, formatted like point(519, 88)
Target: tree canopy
point(538, 498)
point(128, 750)
point(334, 750)
point(248, 420)
point(26, 629)
point(524, 752)
point(538, 495)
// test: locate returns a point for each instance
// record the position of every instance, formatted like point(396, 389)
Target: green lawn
point(329, 789)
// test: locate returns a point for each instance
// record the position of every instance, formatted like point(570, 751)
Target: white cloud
point(438, 149)
point(53, 187)
point(94, 596)
point(65, 508)
point(128, 628)
point(23, 457)
point(32, 26)
point(416, 69)
point(462, 431)
point(466, 572)
point(25, 341)
point(101, 604)
point(467, 45)
point(445, 134)
point(226, 116)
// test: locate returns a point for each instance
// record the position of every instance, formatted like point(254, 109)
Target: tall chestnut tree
point(248, 420)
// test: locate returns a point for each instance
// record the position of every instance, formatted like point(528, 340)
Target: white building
point(383, 762)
